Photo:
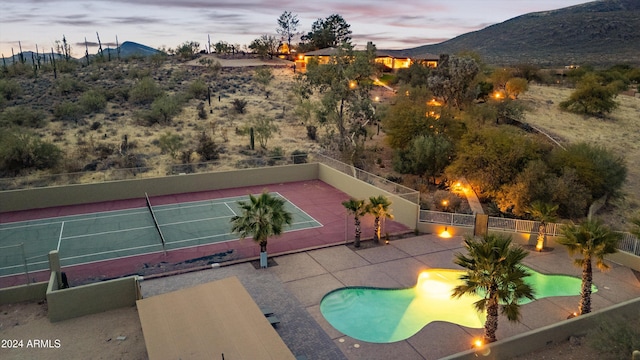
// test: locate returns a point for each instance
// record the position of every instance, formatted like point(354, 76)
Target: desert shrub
point(17, 69)
point(312, 132)
point(23, 116)
point(96, 125)
point(66, 67)
point(264, 128)
point(299, 157)
point(145, 91)
point(93, 101)
point(198, 89)
point(202, 113)
point(23, 151)
point(68, 111)
point(213, 67)
point(187, 50)
point(163, 109)
point(207, 148)
point(10, 89)
point(263, 75)
point(66, 85)
point(138, 72)
point(170, 144)
point(117, 93)
point(239, 106)
point(591, 98)
point(276, 154)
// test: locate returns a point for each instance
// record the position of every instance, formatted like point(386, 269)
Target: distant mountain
point(29, 56)
point(130, 48)
point(602, 32)
point(127, 49)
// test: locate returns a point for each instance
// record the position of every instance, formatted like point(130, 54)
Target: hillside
point(126, 49)
point(600, 33)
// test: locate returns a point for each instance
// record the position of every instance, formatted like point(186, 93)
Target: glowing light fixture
point(445, 234)
point(434, 102)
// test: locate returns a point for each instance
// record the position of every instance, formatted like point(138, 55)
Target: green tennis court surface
point(109, 235)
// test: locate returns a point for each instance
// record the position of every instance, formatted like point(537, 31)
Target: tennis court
point(87, 238)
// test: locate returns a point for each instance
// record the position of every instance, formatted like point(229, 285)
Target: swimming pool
point(388, 315)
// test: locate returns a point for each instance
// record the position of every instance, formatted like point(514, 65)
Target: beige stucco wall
point(550, 335)
point(16, 200)
point(30, 292)
point(83, 300)
point(404, 211)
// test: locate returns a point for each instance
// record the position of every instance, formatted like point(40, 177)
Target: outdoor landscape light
point(445, 234)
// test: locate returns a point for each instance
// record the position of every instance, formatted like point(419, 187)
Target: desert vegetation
point(180, 111)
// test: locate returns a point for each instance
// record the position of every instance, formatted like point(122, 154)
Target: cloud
point(124, 20)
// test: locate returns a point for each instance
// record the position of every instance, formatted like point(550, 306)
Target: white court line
point(200, 238)
point(203, 202)
point(70, 218)
point(111, 251)
point(60, 237)
point(155, 208)
point(109, 232)
point(192, 221)
point(22, 267)
point(114, 213)
point(229, 207)
point(141, 254)
point(302, 211)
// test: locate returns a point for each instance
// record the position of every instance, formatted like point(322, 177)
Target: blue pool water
point(388, 315)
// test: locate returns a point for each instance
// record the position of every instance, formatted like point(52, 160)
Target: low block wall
point(29, 292)
point(404, 211)
point(16, 200)
point(550, 335)
point(83, 300)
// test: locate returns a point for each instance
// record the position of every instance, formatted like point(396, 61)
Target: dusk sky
point(388, 24)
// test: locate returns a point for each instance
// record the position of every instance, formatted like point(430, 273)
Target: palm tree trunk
point(376, 229)
point(358, 233)
point(542, 230)
point(587, 281)
point(263, 254)
point(491, 325)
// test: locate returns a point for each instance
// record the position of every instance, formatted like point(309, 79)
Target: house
point(322, 55)
point(392, 60)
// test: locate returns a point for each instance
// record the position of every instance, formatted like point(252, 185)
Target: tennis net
point(155, 222)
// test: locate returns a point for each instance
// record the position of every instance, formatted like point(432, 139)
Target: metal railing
point(629, 243)
point(375, 180)
point(98, 176)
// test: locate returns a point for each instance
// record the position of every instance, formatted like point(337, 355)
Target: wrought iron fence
point(375, 180)
point(629, 242)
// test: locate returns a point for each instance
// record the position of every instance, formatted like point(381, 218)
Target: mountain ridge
point(603, 32)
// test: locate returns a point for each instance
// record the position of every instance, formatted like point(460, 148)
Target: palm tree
point(544, 213)
point(379, 208)
point(591, 240)
point(357, 208)
point(262, 216)
point(495, 273)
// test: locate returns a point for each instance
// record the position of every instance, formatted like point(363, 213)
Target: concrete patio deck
point(294, 288)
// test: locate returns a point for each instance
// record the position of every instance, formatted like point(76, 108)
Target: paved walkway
point(294, 288)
